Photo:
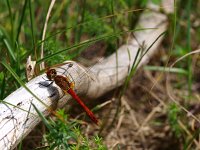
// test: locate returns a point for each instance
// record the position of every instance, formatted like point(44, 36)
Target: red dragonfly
point(67, 87)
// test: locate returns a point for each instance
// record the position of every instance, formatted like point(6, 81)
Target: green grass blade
point(90, 41)
point(7, 103)
point(166, 69)
point(137, 62)
point(90, 21)
point(113, 18)
point(32, 24)
point(20, 82)
point(42, 117)
point(11, 22)
point(21, 20)
point(189, 61)
point(21, 138)
point(8, 45)
point(3, 84)
point(78, 31)
point(132, 71)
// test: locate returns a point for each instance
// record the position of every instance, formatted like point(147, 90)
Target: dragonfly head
point(51, 74)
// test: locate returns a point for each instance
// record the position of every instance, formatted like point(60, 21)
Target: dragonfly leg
point(65, 70)
point(44, 83)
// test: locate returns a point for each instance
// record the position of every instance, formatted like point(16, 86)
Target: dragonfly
point(67, 87)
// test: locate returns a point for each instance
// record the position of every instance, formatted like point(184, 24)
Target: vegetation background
point(164, 123)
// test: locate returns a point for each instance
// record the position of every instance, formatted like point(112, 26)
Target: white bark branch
point(16, 123)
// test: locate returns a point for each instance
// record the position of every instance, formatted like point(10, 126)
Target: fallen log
point(17, 115)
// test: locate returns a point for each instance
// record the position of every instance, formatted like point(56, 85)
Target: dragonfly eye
point(51, 74)
point(54, 73)
point(70, 65)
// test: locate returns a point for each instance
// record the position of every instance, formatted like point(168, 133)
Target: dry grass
point(142, 121)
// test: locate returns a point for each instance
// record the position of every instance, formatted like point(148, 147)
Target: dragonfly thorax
point(62, 82)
